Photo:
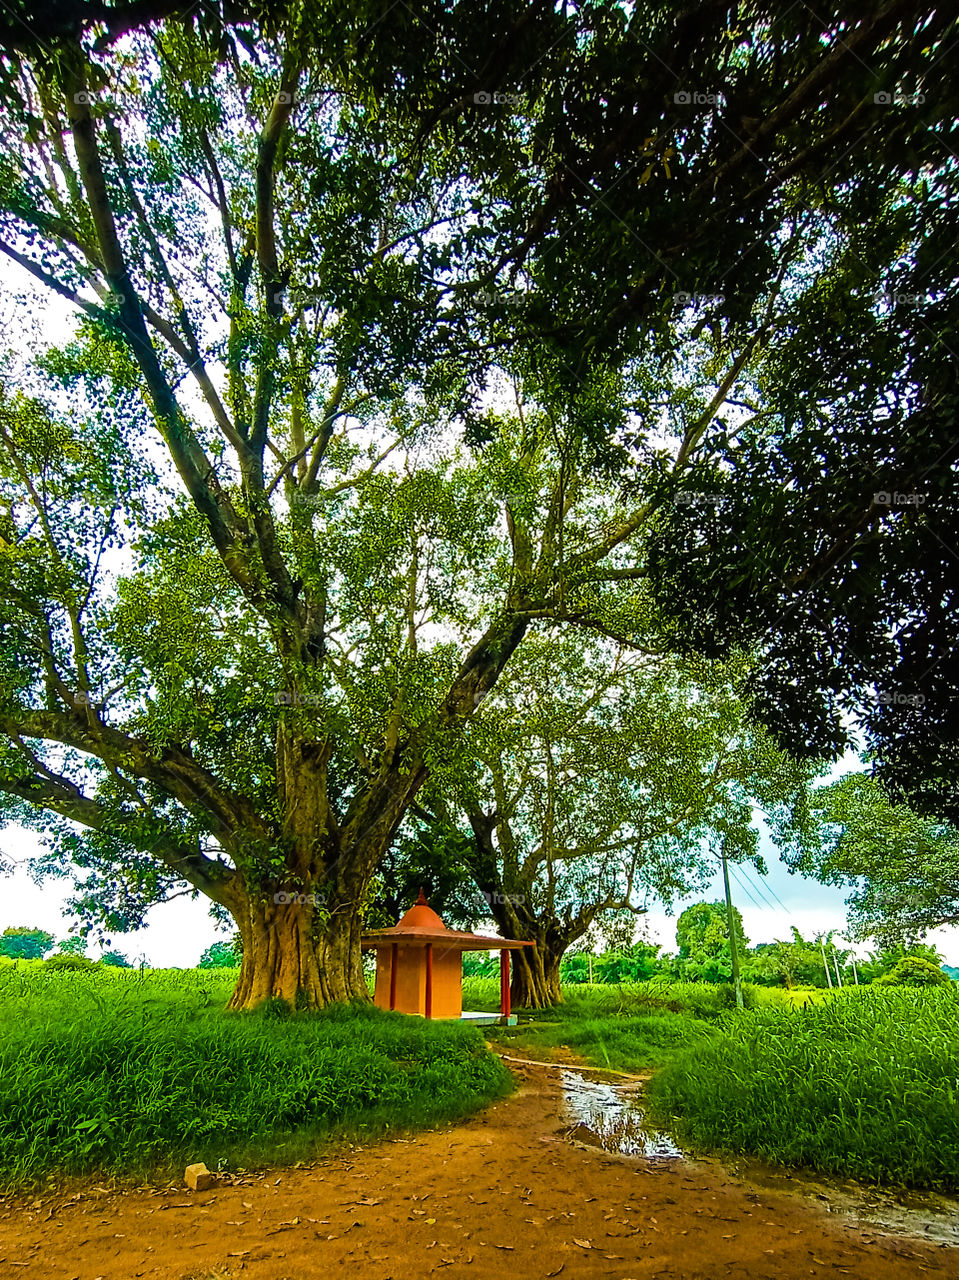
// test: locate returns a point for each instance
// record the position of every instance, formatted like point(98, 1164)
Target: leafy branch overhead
point(372, 382)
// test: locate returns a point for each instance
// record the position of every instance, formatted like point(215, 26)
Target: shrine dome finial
point(421, 916)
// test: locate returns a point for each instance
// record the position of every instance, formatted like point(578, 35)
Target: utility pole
point(855, 972)
point(822, 947)
point(835, 964)
point(731, 924)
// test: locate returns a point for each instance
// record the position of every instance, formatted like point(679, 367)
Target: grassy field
point(624, 1028)
point(111, 1071)
point(864, 1084)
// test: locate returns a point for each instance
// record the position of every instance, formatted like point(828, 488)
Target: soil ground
point(503, 1196)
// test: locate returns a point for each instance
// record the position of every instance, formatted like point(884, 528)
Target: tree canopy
point(902, 867)
point(596, 780)
point(403, 338)
point(702, 936)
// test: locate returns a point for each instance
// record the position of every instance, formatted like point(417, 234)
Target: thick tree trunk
point(298, 950)
point(535, 983)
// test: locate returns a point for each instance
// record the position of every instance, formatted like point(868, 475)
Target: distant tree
point(24, 943)
point(115, 960)
point(702, 935)
point(882, 962)
point(637, 963)
point(222, 955)
point(797, 962)
point(903, 868)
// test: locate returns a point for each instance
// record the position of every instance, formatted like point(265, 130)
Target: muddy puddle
point(920, 1215)
point(611, 1117)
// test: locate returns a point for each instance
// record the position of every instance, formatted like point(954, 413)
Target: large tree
point(596, 780)
point(297, 256)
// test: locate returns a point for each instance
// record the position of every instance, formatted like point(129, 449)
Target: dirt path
point(501, 1197)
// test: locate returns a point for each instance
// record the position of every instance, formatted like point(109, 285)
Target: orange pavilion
point(419, 965)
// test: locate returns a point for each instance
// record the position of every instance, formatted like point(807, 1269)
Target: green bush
point(914, 971)
point(223, 955)
point(68, 960)
point(22, 942)
point(863, 1083)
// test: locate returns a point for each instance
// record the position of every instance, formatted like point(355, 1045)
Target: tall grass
point(865, 1084)
point(113, 1071)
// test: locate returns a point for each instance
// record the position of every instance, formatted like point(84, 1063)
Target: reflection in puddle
point(611, 1118)
point(608, 1116)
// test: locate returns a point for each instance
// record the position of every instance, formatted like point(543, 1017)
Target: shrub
point(67, 960)
point(25, 943)
point(914, 971)
point(220, 955)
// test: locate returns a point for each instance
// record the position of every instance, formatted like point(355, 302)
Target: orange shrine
point(419, 964)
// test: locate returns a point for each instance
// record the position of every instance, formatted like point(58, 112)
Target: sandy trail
point(502, 1196)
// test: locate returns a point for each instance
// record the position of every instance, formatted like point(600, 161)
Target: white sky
point(178, 933)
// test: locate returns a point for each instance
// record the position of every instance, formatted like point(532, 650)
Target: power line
point(745, 889)
point(775, 894)
point(758, 885)
point(745, 882)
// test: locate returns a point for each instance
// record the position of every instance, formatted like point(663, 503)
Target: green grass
point(864, 1084)
point(111, 1071)
point(624, 1028)
point(618, 1043)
